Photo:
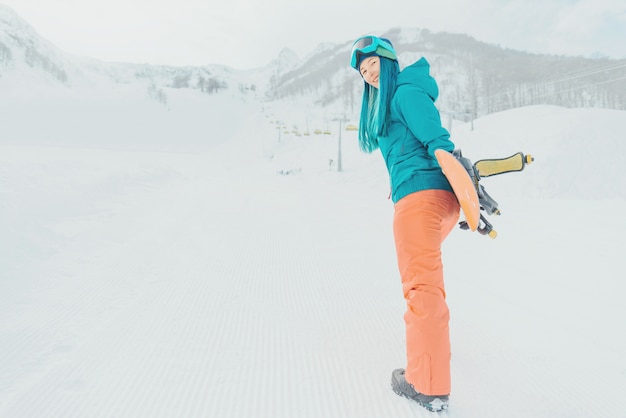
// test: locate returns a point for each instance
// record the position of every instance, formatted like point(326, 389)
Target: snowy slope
point(199, 282)
point(581, 152)
point(200, 256)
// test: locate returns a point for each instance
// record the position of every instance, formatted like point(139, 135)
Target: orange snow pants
point(421, 222)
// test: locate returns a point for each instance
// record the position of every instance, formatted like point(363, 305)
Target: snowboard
point(463, 186)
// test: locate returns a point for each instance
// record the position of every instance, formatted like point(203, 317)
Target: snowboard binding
point(487, 168)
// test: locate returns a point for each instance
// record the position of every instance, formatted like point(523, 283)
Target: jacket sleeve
point(418, 112)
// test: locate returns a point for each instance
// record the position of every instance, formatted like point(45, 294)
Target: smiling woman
point(398, 116)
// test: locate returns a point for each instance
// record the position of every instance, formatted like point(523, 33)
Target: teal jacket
point(415, 132)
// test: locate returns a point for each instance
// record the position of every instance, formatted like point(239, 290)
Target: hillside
point(250, 279)
point(475, 78)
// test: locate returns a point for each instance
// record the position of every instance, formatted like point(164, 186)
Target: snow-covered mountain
point(27, 58)
point(22, 49)
point(475, 78)
point(51, 97)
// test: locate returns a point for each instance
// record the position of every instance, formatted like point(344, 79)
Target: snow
point(193, 261)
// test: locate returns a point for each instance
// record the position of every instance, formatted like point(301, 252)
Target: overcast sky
point(247, 34)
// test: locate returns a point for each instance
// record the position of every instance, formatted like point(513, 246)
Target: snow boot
point(401, 387)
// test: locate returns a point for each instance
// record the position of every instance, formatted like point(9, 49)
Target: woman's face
point(370, 70)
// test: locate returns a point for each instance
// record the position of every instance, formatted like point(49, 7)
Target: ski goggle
point(371, 44)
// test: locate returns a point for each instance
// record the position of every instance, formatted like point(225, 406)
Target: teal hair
point(375, 106)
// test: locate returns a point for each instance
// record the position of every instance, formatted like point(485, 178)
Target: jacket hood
point(418, 75)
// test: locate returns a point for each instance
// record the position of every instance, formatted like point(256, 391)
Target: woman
point(398, 116)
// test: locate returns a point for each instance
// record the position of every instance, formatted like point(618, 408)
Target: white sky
point(249, 33)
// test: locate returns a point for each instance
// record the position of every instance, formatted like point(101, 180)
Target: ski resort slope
point(251, 279)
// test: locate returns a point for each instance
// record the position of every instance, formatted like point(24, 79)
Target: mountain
point(475, 78)
point(51, 97)
point(24, 54)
